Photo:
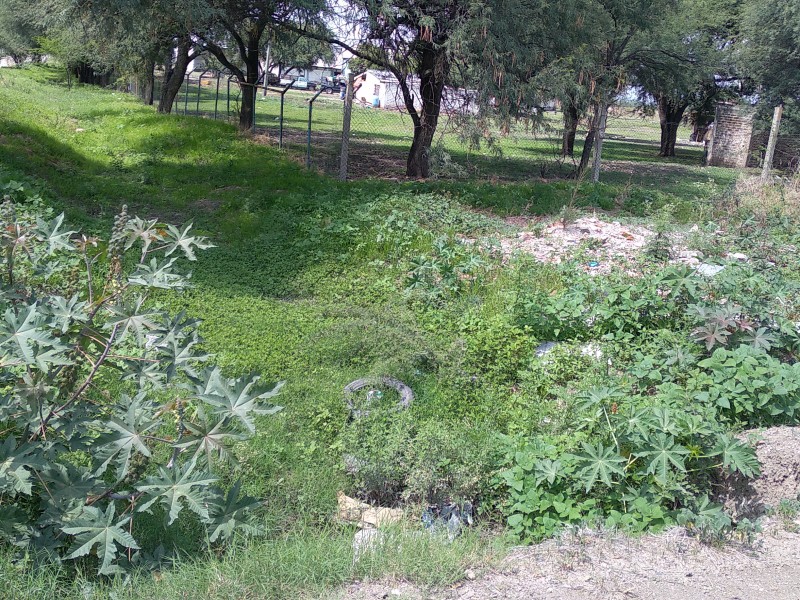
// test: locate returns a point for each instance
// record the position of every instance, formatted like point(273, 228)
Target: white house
point(384, 86)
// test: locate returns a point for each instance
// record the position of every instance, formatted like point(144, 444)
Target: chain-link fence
point(308, 124)
point(381, 138)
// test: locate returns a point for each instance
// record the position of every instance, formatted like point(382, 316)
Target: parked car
point(301, 83)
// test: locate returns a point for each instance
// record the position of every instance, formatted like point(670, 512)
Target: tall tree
point(771, 47)
point(18, 32)
point(237, 38)
point(418, 42)
point(685, 65)
point(623, 29)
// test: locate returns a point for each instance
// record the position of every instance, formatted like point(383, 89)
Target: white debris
point(603, 245)
point(707, 270)
point(737, 256)
point(592, 350)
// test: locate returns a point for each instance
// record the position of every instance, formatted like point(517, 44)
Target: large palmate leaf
point(664, 455)
point(67, 489)
point(175, 487)
point(97, 529)
point(51, 234)
point(131, 317)
point(736, 456)
point(159, 275)
point(599, 463)
point(207, 437)
point(13, 525)
point(547, 470)
point(233, 513)
point(145, 232)
point(23, 335)
point(177, 353)
point(125, 435)
point(15, 478)
point(180, 239)
point(236, 399)
point(65, 313)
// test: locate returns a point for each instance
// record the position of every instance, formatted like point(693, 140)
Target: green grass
point(304, 564)
point(301, 288)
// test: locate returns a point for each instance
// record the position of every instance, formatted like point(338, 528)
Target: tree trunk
point(432, 73)
point(147, 87)
point(570, 129)
point(249, 87)
point(173, 76)
point(588, 145)
point(86, 74)
point(670, 113)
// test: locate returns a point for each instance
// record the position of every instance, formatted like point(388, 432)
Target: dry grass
point(779, 198)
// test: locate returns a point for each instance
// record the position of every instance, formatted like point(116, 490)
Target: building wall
point(733, 132)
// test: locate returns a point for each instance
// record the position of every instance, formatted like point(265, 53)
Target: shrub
point(109, 408)
point(637, 466)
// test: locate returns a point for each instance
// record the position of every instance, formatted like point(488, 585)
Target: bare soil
point(589, 565)
point(778, 451)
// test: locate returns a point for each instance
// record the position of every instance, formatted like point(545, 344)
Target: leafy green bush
point(745, 385)
point(637, 466)
point(618, 307)
point(107, 407)
point(494, 348)
point(393, 456)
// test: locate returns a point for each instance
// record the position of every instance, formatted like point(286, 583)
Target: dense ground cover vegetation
point(625, 422)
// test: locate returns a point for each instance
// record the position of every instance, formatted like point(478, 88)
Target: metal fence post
point(186, 95)
point(346, 117)
point(308, 137)
point(216, 97)
point(228, 112)
point(598, 144)
point(255, 97)
point(280, 121)
point(199, 89)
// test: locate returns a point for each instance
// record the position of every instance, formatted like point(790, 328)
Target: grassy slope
point(286, 293)
point(263, 298)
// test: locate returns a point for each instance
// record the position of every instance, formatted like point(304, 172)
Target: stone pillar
point(733, 130)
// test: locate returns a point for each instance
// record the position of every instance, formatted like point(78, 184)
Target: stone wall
point(733, 132)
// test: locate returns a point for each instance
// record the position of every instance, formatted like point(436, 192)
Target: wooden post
point(346, 116)
point(600, 133)
point(773, 140)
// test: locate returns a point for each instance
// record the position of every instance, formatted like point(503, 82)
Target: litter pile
point(604, 244)
point(607, 243)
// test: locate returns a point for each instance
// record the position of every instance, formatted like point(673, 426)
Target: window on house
point(377, 91)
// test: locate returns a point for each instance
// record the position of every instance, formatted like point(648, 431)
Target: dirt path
point(590, 566)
